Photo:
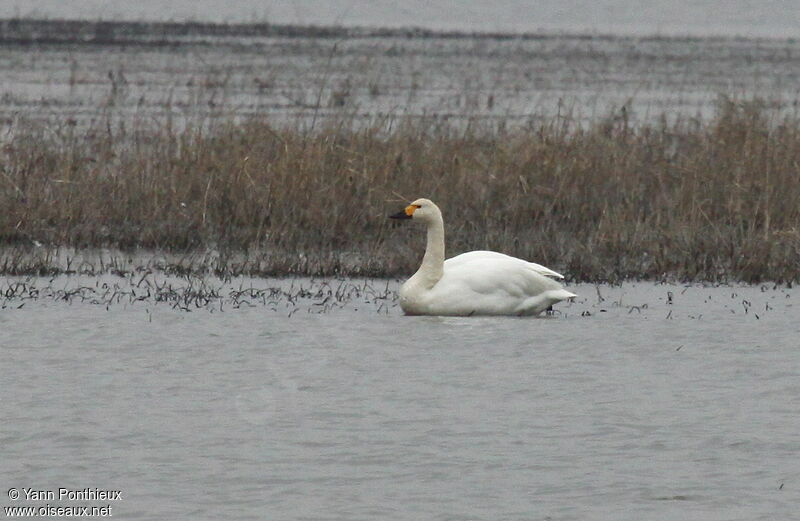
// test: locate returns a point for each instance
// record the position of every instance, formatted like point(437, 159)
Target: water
point(644, 401)
point(594, 59)
point(306, 81)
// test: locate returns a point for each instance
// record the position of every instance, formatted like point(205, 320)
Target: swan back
point(483, 254)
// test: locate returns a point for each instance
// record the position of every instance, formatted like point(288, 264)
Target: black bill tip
point(400, 215)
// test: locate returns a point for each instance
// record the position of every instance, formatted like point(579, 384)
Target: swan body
point(476, 282)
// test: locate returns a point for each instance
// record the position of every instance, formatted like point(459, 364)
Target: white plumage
point(476, 282)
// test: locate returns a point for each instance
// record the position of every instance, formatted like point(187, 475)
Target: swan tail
point(542, 301)
point(560, 294)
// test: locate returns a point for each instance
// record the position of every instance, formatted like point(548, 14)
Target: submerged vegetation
point(715, 200)
point(145, 288)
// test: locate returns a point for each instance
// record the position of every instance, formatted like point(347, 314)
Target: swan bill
point(405, 214)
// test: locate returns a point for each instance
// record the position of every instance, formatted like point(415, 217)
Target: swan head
point(421, 210)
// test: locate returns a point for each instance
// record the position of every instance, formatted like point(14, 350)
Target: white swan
point(476, 282)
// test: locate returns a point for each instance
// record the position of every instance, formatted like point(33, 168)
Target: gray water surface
point(202, 80)
point(644, 401)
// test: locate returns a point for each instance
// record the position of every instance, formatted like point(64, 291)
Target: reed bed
point(715, 200)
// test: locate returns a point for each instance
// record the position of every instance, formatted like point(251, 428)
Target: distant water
point(768, 18)
point(636, 402)
point(165, 78)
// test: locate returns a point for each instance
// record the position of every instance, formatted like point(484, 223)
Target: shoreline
point(21, 264)
point(52, 31)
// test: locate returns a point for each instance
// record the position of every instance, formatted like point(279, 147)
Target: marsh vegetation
point(692, 199)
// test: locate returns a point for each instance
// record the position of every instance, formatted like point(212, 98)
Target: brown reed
point(714, 200)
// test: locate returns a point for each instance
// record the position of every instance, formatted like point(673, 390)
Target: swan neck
point(433, 262)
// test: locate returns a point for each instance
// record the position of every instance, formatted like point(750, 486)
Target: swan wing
point(474, 256)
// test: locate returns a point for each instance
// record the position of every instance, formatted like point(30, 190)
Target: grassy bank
point(714, 200)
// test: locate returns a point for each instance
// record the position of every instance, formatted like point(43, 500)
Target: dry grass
point(716, 200)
